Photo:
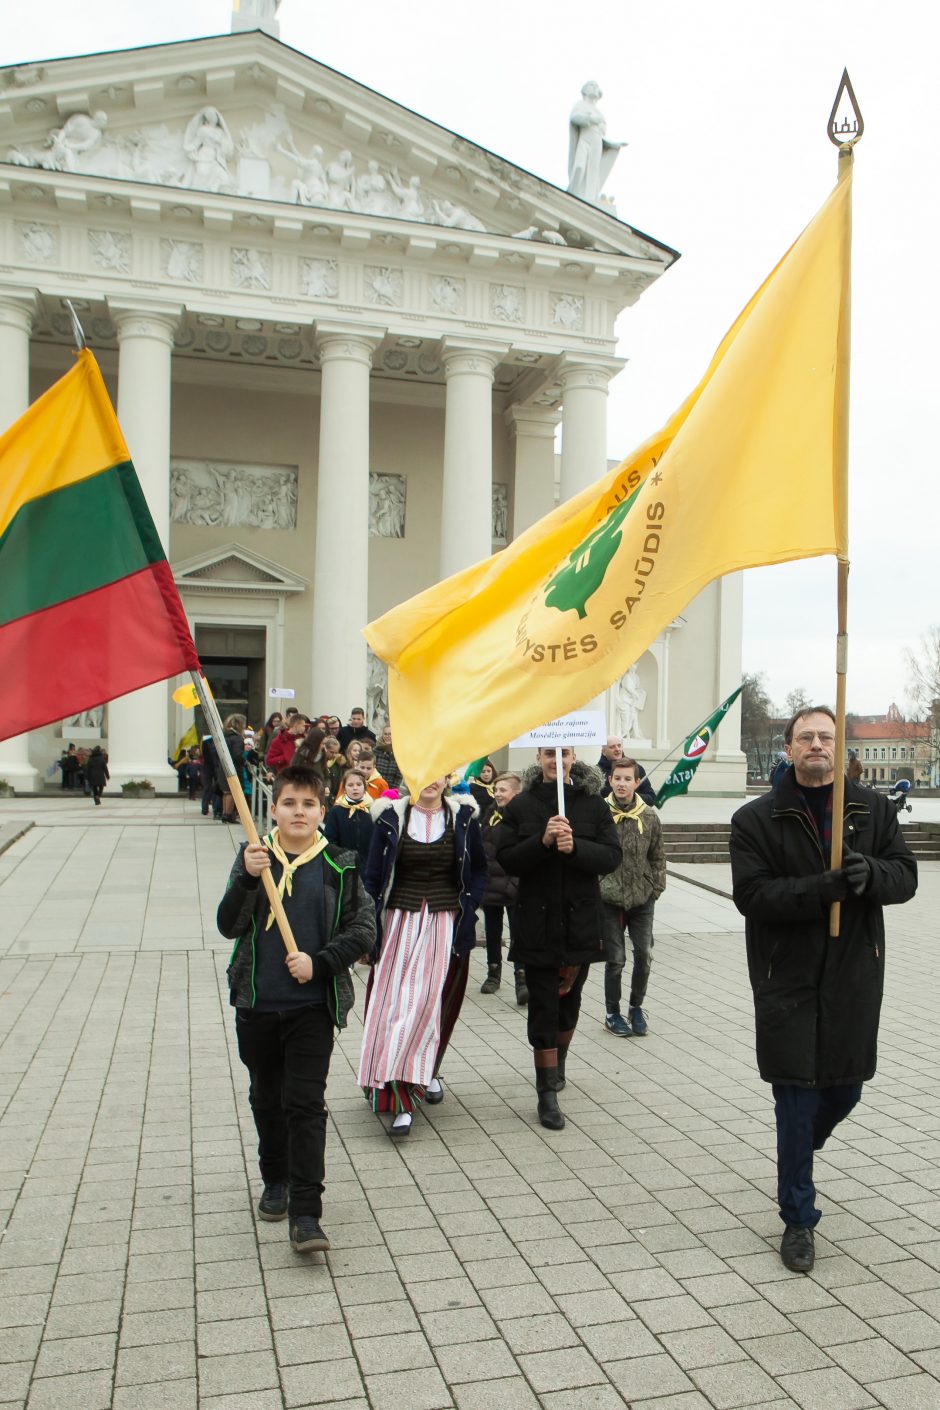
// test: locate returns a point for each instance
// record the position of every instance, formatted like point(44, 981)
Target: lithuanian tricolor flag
point(88, 606)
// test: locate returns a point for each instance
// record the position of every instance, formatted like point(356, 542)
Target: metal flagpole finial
point(78, 331)
point(846, 123)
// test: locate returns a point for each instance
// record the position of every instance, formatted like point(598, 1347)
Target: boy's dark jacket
point(816, 1000)
point(351, 830)
point(558, 914)
point(348, 923)
point(379, 873)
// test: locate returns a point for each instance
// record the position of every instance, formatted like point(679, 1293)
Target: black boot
point(564, 1041)
point(522, 989)
point(492, 981)
point(546, 1085)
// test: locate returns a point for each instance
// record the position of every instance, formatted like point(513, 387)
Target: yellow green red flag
point(744, 473)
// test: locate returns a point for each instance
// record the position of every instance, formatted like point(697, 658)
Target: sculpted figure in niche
point(311, 187)
point(341, 179)
point(387, 506)
point(208, 144)
point(631, 697)
point(377, 693)
point(590, 155)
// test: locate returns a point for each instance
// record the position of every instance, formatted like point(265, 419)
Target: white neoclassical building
point(340, 339)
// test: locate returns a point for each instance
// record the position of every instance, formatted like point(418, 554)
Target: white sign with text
point(279, 692)
point(580, 727)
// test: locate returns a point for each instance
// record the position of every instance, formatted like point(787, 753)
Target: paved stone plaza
point(484, 1264)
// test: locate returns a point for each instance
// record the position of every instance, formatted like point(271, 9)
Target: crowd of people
point(369, 874)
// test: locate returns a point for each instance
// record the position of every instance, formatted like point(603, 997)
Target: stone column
point(533, 430)
point(467, 493)
point(584, 421)
point(340, 577)
point(138, 724)
point(16, 318)
point(728, 669)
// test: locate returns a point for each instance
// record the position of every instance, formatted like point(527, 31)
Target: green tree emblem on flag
point(573, 585)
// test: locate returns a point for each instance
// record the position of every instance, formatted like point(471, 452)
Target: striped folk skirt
point(412, 1004)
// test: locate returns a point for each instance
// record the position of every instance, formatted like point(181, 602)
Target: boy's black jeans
point(288, 1057)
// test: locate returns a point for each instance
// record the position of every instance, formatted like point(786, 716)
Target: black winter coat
point(817, 1000)
point(501, 889)
point(351, 830)
point(558, 914)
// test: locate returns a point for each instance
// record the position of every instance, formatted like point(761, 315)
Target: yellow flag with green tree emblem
point(744, 473)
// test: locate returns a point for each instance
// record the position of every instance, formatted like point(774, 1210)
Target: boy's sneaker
point(638, 1022)
point(306, 1236)
point(273, 1202)
point(616, 1023)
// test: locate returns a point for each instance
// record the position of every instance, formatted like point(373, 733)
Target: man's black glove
point(856, 869)
point(833, 886)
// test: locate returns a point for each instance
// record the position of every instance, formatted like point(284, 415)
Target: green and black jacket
point(344, 932)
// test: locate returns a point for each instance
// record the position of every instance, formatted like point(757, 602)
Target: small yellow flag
point(186, 696)
point(744, 473)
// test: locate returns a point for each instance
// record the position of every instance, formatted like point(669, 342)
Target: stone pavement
point(484, 1264)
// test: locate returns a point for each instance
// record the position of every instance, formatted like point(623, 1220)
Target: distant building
point(889, 747)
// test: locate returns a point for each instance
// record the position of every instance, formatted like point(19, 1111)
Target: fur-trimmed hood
point(585, 778)
point(453, 801)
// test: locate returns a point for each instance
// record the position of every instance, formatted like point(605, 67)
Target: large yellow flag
point(744, 473)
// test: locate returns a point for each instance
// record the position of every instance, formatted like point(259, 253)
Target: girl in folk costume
point(426, 871)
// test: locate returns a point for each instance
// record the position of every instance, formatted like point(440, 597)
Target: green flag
point(682, 775)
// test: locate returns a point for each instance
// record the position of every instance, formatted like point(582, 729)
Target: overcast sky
point(724, 106)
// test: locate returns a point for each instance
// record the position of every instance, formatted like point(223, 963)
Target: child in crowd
point(376, 785)
point(500, 895)
point(349, 822)
point(287, 1005)
point(629, 895)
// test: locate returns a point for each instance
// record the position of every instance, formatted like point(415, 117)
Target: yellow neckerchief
point(487, 787)
point(286, 883)
point(495, 816)
point(638, 807)
point(363, 806)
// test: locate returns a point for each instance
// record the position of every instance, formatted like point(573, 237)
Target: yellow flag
point(744, 473)
point(186, 695)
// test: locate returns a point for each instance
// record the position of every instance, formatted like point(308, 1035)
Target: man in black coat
point(558, 860)
point(817, 999)
point(356, 729)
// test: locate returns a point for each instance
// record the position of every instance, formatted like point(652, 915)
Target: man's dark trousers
point(288, 1057)
point(806, 1118)
point(550, 1013)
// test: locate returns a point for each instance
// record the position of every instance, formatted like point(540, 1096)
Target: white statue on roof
point(255, 14)
point(590, 156)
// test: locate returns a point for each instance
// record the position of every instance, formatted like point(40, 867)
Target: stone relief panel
point(500, 514)
point(215, 493)
point(110, 249)
point(319, 278)
point(38, 243)
point(384, 285)
point(251, 269)
point(387, 494)
point(265, 159)
point(568, 311)
point(448, 294)
point(182, 260)
point(507, 302)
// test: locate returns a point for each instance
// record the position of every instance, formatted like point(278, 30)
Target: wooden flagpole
point(244, 812)
point(837, 134)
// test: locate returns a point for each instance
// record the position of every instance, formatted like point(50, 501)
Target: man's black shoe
point(306, 1236)
point(273, 1203)
point(798, 1249)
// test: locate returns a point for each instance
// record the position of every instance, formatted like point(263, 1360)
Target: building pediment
point(243, 128)
point(232, 569)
